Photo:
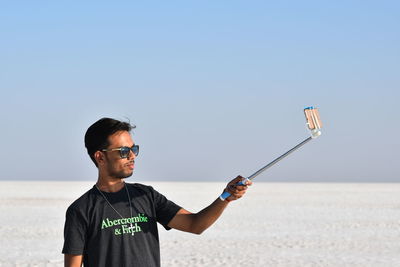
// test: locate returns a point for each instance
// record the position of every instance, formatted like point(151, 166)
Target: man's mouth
point(130, 164)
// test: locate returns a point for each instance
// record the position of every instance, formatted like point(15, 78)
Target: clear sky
point(215, 88)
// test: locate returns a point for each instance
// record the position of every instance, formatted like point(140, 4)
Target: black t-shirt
point(96, 231)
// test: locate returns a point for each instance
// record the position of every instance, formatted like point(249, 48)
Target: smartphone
point(312, 117)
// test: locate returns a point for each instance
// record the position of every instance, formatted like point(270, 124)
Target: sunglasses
point(124, 151)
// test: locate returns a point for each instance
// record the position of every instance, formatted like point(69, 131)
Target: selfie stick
point(313, 123)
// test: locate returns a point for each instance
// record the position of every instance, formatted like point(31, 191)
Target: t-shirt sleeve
point(165, 209)
point(74, 232)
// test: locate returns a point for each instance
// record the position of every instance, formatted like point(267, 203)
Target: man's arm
point(198, 222)
point(72, 260)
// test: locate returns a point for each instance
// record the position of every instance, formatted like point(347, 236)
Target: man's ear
point(99, 157)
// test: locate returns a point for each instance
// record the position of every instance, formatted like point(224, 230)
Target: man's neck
point(110, 185)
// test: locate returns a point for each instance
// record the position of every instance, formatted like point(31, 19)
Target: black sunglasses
point(124, 151)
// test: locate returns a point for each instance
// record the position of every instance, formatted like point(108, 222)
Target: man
point(115, 223)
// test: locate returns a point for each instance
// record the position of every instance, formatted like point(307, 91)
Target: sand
point(275, 224)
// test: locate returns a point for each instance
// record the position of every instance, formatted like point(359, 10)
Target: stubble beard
point(120, 174)
point(123, 175)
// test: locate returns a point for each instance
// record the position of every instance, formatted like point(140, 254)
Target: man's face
point(114, 165)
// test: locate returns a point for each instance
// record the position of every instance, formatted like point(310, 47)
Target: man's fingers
point(238, 179)
point(237, 191)
point(233, 186)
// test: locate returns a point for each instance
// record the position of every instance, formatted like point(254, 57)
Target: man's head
point(103, 141)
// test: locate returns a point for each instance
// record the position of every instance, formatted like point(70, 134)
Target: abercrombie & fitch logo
point(125, 225)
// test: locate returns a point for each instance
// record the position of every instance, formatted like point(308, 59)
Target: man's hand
point(237, 191)
point(198, 222)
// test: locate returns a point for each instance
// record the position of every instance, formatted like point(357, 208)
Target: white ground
point(275, 224)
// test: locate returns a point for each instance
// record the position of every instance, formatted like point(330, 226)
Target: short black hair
point(96, 137)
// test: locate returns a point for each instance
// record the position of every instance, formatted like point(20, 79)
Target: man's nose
point(131, 155)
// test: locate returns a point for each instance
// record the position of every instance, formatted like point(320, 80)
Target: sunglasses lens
point(125, 151)
point(135, 150)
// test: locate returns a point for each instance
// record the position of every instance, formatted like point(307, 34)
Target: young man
point(115, 223)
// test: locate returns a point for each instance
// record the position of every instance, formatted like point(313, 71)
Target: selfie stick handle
point(226, 194)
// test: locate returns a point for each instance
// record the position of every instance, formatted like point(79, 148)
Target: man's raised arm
point(198, 222)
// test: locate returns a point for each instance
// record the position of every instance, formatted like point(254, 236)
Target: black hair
point(96, 137)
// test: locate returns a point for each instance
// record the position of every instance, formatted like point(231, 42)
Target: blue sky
point(216, 89)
